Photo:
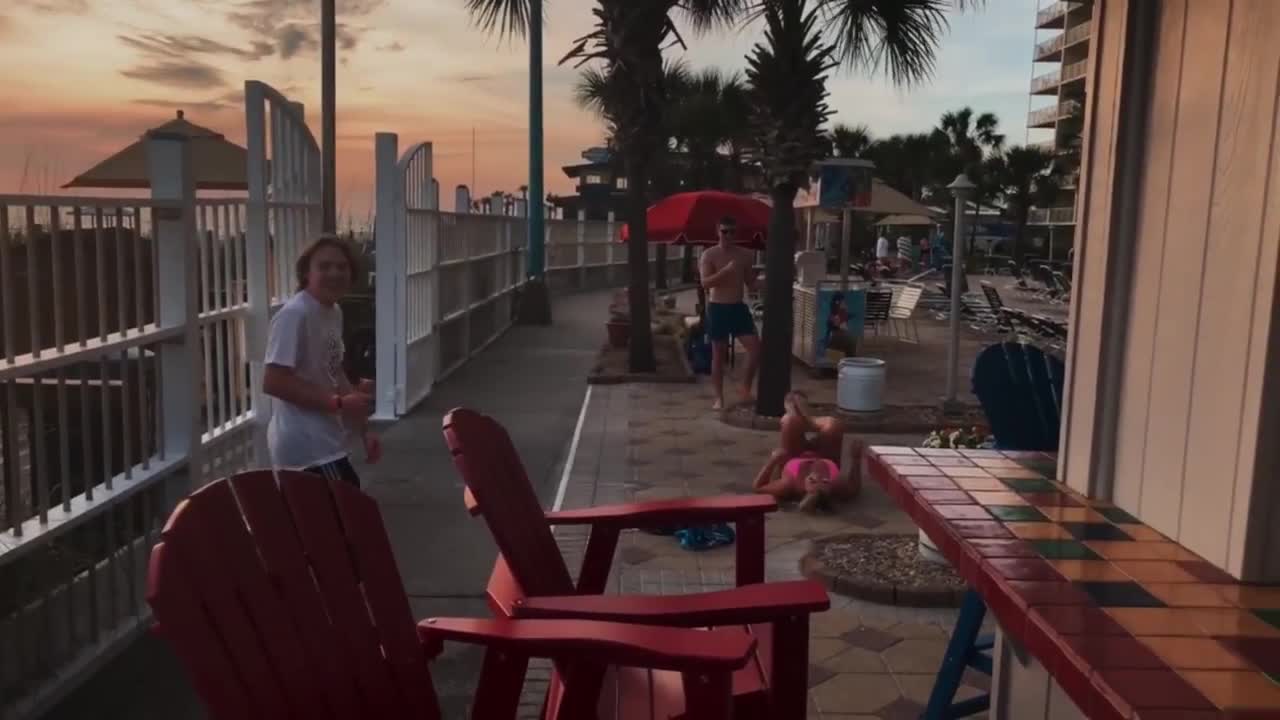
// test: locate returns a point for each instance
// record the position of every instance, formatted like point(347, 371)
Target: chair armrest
point(658, 648)
point(677, 511)
point(746, 605)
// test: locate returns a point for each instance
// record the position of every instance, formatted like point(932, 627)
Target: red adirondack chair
point(531, 580)
point(283, 601)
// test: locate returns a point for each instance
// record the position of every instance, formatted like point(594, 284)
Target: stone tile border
point(872, 590)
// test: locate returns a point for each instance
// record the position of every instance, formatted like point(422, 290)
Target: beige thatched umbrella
point(218, 163)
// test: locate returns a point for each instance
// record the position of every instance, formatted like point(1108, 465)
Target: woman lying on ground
point(806, 464)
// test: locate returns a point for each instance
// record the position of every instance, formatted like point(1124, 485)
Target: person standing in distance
point(317, 407)
point(726, 274)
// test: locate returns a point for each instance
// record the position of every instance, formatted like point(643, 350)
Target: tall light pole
point(535, 302)
point(962, 188)
point(328, 126)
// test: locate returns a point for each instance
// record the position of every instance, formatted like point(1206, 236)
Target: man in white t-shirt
point(316, 406)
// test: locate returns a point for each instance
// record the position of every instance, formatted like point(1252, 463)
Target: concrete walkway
point(533, 381)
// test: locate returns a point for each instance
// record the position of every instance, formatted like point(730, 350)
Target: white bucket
point(860, 385)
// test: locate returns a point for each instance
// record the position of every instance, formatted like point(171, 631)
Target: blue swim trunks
point(725, 320)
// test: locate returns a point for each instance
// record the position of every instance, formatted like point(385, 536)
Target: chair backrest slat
point(493, 472)
point(1020, 388)
point(272, 591)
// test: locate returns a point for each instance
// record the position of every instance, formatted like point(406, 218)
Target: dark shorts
point(340, 469)
point(725, 320)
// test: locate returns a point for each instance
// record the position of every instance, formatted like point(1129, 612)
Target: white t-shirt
point(882, 247)
point(306, 335)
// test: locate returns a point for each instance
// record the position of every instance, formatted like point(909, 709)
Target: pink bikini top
point(795, 466)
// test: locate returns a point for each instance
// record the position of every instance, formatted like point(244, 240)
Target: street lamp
point(535, 302)
point(963, 189)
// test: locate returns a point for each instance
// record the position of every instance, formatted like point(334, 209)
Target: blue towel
point(705, 537)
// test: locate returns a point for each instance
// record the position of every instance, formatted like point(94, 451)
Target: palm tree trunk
point(686, 264)
point(641, 357)
point(775, 355)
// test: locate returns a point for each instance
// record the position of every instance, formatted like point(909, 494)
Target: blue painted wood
point(965, 650)
point(1020, 388)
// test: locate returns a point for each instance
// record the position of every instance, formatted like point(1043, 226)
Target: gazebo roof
point(218, 163)
point(884, 201)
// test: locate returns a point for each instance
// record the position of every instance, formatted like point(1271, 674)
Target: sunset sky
point(83, 78)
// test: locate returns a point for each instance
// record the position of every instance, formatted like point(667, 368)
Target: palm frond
point(898, 37)
point(506, 18)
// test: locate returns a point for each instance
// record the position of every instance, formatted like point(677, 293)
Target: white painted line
point(573, 452)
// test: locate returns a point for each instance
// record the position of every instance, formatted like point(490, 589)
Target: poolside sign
point(844, 184)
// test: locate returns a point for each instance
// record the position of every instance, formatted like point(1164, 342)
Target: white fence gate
point(128, 327)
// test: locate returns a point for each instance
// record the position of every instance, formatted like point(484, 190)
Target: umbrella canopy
point(692, 218)
point(905, 220)
point(218, 163)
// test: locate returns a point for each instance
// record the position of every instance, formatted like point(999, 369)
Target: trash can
point(860, 384)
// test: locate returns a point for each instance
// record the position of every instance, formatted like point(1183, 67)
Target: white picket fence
point(446, 283)
point(131, 330)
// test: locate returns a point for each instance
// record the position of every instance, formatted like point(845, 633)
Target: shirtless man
point(726, 275)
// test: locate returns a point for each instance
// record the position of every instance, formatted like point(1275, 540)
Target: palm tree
point(709, 126)
point(1025, 176)
point(850, 141)
point(970, 139)
point(787, 73)
point(908, 163)
point(627, 39)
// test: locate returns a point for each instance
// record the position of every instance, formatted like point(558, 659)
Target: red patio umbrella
point(692, 218)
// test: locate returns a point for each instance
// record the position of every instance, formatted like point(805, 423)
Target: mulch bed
point(893, 419)
point(885, 569)
point(673, 367)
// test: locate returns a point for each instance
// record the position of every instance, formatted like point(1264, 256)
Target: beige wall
point(1172, 413)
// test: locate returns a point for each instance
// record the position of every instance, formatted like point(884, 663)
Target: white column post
point(580, 256)
point(181, 360)
point(257, 261)
point(389, 243)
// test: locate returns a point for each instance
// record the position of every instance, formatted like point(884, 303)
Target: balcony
point(1077, 33)
point(1053, 216)
point(1049, 116)
point(1046, 84)
point(1054, 16)
point(1072, 72)
point(1050, 49)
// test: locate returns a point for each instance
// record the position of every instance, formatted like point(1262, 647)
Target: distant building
point(602, 184)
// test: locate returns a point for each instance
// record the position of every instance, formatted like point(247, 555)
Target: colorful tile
point(984, 497)
point(929, 483)
point(1271, 617)
point(1003, 548)
point(974, 484)
point(1119, 594)
point(1231, 622)
point(951, 462)
point(1156, 621)
point(1190, 594)
point(996, 463)
point(1051, 499)
point(1156, 571)
point(1070, 514)
point(1116, 515)
point(906, 460)
point(959, 472)
point(1027, 485)
point(1264, 653)
point(962, 512)
point(1195, 653)
point(1204, 572)
point(978, 529)
point(1038, 531)
point(1075, 620)
point(1252, 596)
point(1129, 550)
point(1015, 513)
point(891, 450)
point(1235, 689)
point(945, 497)
point(938, 452)
point(1016, 474)
point(1090, 571)
point(1114, 652)
point(1037, 592)
point(917, 470)
point(1142, 533)
point(1063, 550)
point(1094, 531)
point(1155, 689)
point(976, 455)
point(1024, 569)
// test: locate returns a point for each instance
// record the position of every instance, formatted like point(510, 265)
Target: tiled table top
point(1129, 623)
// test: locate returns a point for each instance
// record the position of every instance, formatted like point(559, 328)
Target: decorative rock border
point(686, 376)
point(878, 591)
point(893, 419)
